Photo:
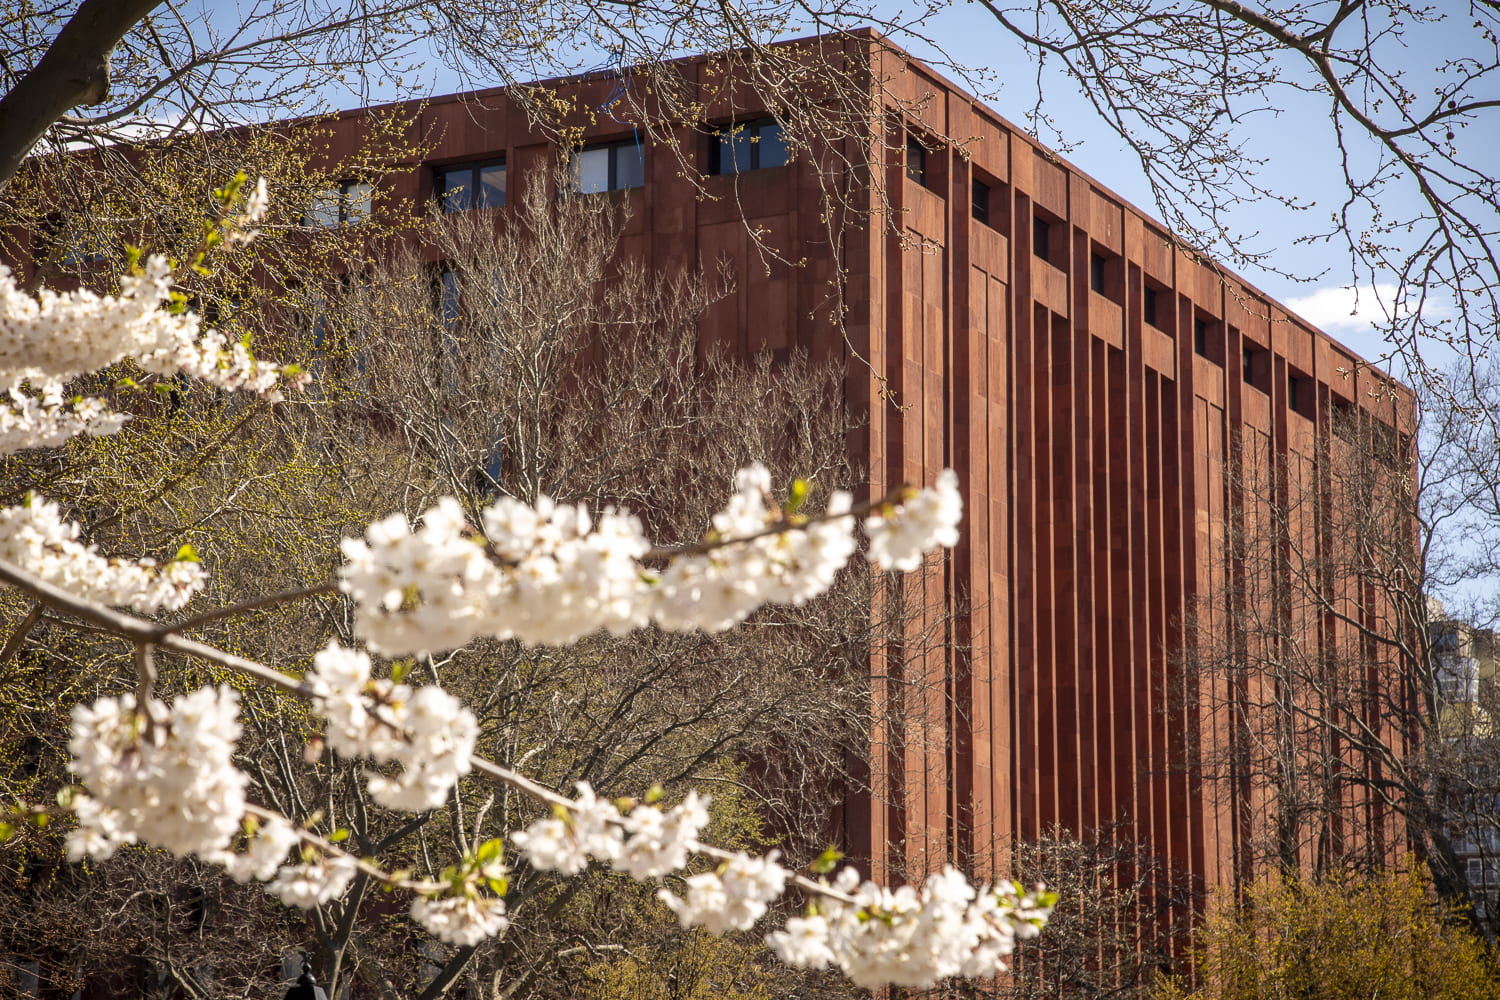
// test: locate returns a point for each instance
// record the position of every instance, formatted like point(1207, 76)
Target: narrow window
point(916, 160)
point(345, 203)
point(1096, 273)
point(1301, 394)
point(1041, 237)
point(1247, 365)
point(757, 145)
point(618, 166)
point(1200, 336)
point(1148, 306)
point(980, 201)
point(470, 185)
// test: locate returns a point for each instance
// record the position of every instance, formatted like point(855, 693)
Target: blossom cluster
point(462, 920)
point(49, 420)
point(647, 842)
point(428, 732)
point(159, 774)
point(56, 336)
point(35, 537)
point(909, 937)
point(731, 898)
point(553, 573)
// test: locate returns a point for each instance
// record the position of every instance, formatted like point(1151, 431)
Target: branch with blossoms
point(546, 573)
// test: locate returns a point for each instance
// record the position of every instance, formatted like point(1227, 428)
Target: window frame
point(474, 185)
point(979, 200)
point(752, 132)
point(339, 194)
point(1041, 237)
point(612, 166)
point(916, 160)
point(1151, 306)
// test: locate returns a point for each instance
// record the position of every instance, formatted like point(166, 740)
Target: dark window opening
point(980, 201)
point(1300, 396)
point(470, 185)
point(1041, 237)
point(1255, 366)
point(1345, 420)
point(1200, 336)
point(1149, 311)
point(618, 166)
point(916, 160)
point(1096, 272)
point(756, 145)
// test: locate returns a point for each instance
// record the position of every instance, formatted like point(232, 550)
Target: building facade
point(1092, 383)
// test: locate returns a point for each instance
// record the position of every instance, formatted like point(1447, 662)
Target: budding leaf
point(186, 554)
point(67, 795)
point(490, 850)
point(338, 836)
point(499, 886)
point(800, 490)
point(6, 832)
point(827, 861)
point(401, 669)
point(655, 794)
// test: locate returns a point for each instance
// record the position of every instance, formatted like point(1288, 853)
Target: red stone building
point(1017, 321)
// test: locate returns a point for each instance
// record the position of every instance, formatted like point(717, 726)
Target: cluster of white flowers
point(564, 841)
point(733, 897)
point(266, 849)
point(906, 937)
point(158, 774)
point(56, 336)
point(461, 920)
point(49, 421)
point(256, 205)
point(553, 573)
point(721, 588)
point(648, 842)
point(313, 883)
point(34, 537)
point(428, 732)
point(899, 538)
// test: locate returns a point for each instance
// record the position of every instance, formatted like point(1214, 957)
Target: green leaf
point(41, 820)
point(186, 554)
point(338, 836)
point(490, 850)
point(499, 886)
point(401, 669)
point(800, 490)
point(827, 861)
point(655, 794)
point(6, 832)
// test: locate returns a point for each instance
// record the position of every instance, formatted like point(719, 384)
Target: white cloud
point(1346, 308)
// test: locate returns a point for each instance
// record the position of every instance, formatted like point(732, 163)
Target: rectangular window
point(1256, 366)
point(618, 166)
point(916, 160)
point(1096, 273)
point(470, 185)
point(1149, 306)
point(757, 145)
point(1299, 394)
point(1041, 237)
point(980, 201)
point(1200, 336)
point(345, 203)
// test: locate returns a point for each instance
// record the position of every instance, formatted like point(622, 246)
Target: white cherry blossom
point(35, 537)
